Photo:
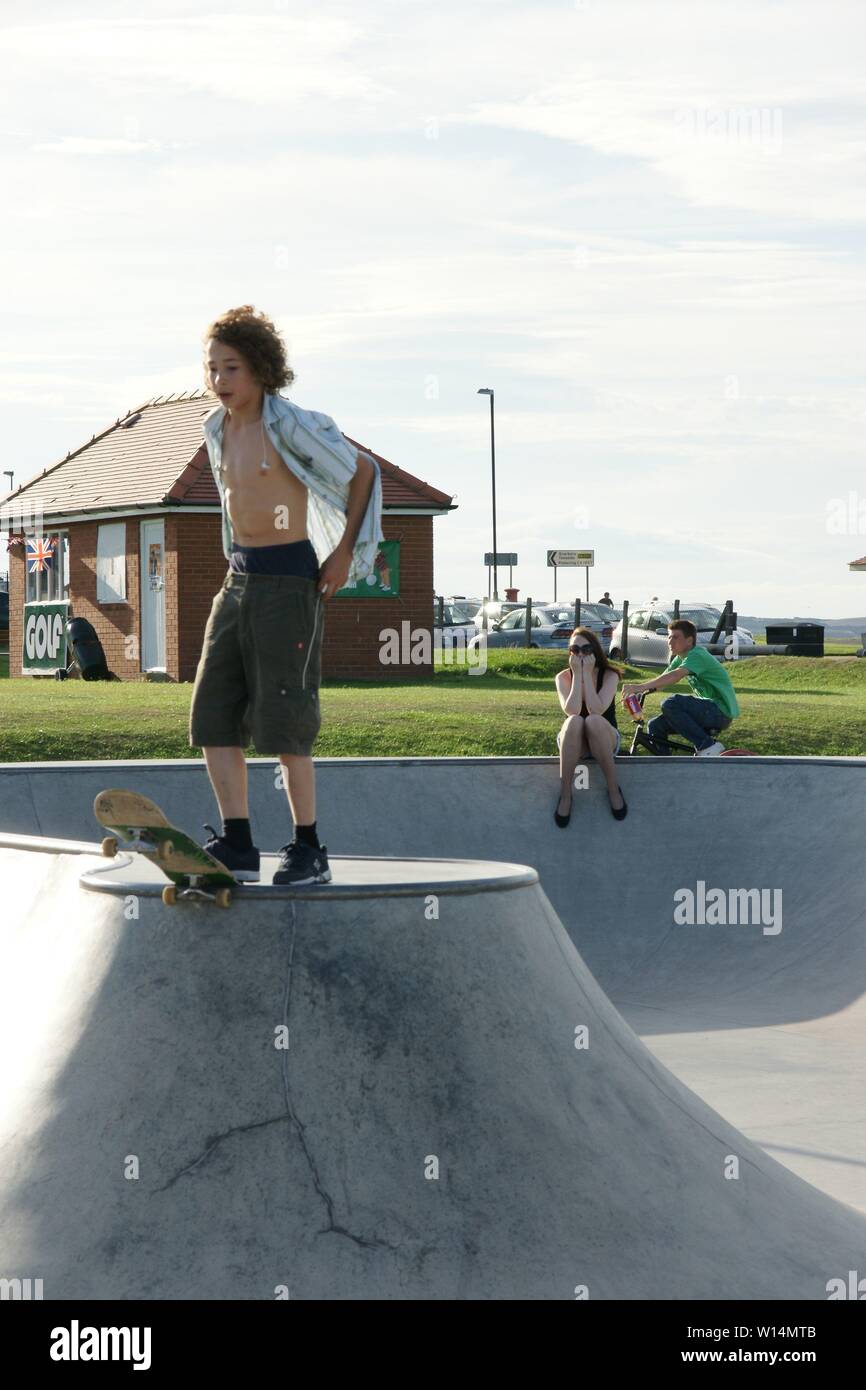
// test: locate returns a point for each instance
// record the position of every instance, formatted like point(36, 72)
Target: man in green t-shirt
point(713, 704)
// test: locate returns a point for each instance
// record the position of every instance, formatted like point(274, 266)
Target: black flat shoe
point(623, 810)
point(560, 819)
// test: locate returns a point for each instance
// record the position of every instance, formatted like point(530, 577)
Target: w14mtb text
point(716, 1334)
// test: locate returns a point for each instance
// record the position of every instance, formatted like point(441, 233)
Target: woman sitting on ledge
point(587, 691)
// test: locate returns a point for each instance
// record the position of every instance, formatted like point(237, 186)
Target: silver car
point(648, 631)
point(551, 625)
point(496, 611)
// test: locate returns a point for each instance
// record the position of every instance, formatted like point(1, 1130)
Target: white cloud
point(72, 145)
point(571, 204)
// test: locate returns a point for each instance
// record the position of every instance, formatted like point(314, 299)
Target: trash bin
point(801, 639)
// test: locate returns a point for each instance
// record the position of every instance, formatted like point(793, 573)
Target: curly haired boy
point(301, 519)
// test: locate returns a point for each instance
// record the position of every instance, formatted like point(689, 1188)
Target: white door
point(152, 568)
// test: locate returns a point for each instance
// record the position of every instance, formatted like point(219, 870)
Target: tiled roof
point(156, 456)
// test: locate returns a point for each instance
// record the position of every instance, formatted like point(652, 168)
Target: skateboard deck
point(139, 826)
point(739, 753)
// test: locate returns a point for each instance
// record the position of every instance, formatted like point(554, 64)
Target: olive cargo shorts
point(260, 666)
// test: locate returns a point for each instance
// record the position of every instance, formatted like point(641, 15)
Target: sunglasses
point(584, 647)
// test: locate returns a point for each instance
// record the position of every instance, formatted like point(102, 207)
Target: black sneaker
point(301, 863)
point(243, 863)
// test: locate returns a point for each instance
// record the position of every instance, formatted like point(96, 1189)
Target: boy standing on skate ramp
point(258, 676)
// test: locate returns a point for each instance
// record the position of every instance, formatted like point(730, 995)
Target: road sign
point(503, 557)
point(571, 557)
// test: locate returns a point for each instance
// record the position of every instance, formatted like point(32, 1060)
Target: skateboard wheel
point(169, 894)
point(109, 846)
point(223, 897)
point(164, 851)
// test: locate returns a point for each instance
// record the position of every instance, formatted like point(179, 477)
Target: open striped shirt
point(314, 449)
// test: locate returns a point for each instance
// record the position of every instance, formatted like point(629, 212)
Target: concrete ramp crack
point(212, 1143)
point(333, 1227)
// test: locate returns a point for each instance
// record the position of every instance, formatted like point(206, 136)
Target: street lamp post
point(488, 391)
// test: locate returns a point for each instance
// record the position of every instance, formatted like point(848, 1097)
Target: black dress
point(609, 712)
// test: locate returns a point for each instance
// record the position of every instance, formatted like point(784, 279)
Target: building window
point(111, 563)
point(46, 567)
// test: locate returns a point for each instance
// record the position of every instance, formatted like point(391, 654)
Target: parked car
point(496, 611)
point(551, 626)
point(458, 618)
point(648, 631)
point(601, 619)
point(460, 610)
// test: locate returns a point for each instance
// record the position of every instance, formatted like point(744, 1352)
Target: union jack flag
point(40, 555)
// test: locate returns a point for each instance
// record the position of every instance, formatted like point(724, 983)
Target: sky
point(641, 224)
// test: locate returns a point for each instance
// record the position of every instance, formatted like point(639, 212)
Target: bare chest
point(250, 464)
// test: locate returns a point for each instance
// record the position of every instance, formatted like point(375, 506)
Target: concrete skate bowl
point(768, 1028)
point(417, 1046)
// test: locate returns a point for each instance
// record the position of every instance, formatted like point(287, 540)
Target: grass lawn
point(789, 705)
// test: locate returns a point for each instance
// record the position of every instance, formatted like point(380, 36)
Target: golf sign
point(44, 638)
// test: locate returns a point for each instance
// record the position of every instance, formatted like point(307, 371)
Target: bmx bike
point(643, 741)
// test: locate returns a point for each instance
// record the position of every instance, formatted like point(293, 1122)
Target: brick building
point(132, 526)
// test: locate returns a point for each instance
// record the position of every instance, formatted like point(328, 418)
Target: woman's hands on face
point(581, 665)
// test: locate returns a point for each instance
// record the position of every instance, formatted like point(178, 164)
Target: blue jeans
point(689, 716)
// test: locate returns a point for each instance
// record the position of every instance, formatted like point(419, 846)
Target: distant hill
point(835, 629)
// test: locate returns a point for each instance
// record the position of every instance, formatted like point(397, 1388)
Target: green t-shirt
point(708, 679)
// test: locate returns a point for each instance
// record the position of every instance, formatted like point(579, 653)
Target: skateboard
point(138, 825)
point(739, 753)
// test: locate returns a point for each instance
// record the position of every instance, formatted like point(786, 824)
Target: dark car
point(458, 618)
